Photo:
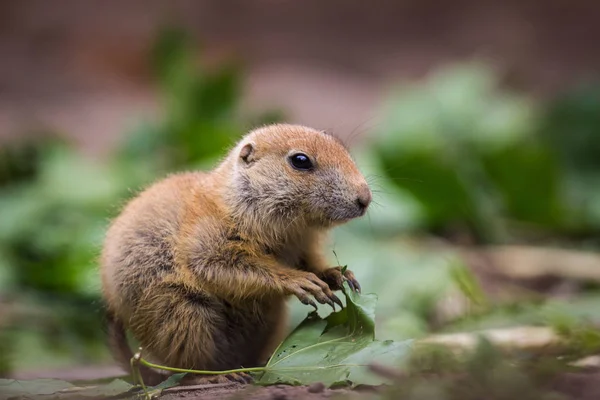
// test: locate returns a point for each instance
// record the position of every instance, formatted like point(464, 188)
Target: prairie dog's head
point(291, 173)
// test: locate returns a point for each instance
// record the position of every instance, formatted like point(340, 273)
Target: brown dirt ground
point(278, 392)
point(573, 386)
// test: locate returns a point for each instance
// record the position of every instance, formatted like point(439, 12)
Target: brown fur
point(199, 265)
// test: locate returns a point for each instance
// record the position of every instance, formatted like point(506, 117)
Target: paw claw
point(309, 302)
point(331, 304)
point(337, 301)
point(351, 284)
point(307, 285)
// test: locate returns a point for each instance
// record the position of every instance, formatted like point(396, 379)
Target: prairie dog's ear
point(247, 154)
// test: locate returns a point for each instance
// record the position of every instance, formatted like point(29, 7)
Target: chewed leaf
point(336, 349)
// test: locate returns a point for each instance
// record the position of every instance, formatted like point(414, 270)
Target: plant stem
point(137, 375)
point(194, 371)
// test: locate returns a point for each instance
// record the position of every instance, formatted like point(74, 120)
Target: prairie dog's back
point(139, 246)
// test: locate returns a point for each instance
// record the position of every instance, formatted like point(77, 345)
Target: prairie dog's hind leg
point(278, 321)
point(177, 327)
point(197, 331)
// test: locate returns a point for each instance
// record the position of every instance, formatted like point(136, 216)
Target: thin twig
point(199, 387)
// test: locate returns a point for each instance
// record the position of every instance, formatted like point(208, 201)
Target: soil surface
point(573, 386)
point(279, 392)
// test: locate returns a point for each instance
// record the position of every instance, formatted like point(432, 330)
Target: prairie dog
point(199, 265)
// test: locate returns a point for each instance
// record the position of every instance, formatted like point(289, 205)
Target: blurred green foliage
point(454, 153)
point(571, 127)
point(55, 203)
point(459, 155)
point(476, 156)
point(201, 109)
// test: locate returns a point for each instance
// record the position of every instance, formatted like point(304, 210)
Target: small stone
point(279, 396)
point(317, 387)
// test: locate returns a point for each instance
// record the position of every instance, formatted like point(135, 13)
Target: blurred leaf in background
point(481, 157)
point(55, 203)
point(571, 126)
point(201, 108)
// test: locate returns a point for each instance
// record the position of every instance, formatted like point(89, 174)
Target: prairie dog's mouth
point(350, 213)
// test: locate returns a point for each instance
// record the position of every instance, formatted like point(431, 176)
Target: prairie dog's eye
point(301, 161)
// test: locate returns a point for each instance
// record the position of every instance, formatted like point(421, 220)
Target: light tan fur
point(199, 265)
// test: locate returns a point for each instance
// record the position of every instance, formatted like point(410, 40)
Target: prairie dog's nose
point(364, 197)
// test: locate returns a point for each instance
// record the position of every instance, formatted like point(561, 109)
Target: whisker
point(377, 203)
point(407, 179)
point(359, 130)
point(380, 191)
point(370, 223)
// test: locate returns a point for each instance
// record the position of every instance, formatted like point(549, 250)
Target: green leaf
point(336, 350)
point(51, 389)
point(114, 388)
point(173, 380)
point(57, 389)
point(12, 387)
point(154, 392)
point(527, 177)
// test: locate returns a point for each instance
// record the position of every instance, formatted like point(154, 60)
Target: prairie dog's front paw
point(307, 283)
point(335, 279)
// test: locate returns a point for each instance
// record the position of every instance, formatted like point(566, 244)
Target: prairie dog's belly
point(250, 334)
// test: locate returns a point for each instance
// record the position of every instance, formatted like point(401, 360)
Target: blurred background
point(476, 122)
